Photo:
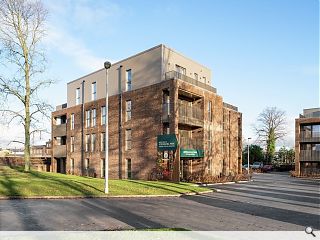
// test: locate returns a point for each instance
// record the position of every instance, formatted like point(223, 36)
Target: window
point(86, 163)
point(72, 144)
point(94, 117)
point(128, 139)
point(103, 115)
point(72, 166)
point(209, 165)
point(87, 142)
point(102, 167)
point(204, 79)
point(77, 96)
point(196, 76)
point(128, 168)
point(93, 142)
point(128, 110)
point(88, 116)
point(210, 111)
point(103, 142)
point(72, 121)
point(93, 91)
point(128, 80)
point(180, 70)
point(166, 129)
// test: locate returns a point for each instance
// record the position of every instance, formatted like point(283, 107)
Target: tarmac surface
point(272, 201)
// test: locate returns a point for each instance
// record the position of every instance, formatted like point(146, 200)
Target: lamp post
point(248, 159)
point(107, 65)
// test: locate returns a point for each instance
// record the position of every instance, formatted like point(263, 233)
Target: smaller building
point(41, 156)
point(307, 142)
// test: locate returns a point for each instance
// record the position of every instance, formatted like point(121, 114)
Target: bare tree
point(22, 27)
point(271, 126)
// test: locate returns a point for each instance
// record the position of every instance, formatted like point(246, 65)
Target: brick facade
point(146, 123)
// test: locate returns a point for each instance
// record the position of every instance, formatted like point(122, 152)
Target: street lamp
point(107, 65)
point(249, 158)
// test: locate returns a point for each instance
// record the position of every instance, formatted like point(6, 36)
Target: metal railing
point(309, 155)
point(176, 75)
point(309, 137)
point(190, 115)
point(190, 143)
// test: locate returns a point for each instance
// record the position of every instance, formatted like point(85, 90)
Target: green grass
point(16, 182)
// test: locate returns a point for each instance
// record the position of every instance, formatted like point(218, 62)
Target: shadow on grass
point(166, 188)
point(76, 186)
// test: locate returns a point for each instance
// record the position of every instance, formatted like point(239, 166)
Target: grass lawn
point(16, 182)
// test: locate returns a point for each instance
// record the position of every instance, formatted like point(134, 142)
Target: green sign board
point(167, 142)
point(185, 153)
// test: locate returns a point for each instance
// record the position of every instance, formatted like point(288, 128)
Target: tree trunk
point(27, 117)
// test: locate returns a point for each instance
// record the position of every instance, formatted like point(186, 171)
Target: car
point(257, 165)
point(267, 168)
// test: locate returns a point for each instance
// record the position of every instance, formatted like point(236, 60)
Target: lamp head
point(107, 64)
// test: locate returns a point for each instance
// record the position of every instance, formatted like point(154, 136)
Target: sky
point(261, 53)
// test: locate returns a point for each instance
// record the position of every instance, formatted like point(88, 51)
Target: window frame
point(93, 91)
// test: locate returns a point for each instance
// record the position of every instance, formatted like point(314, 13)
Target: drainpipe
point(120, 122)
point(82, 128)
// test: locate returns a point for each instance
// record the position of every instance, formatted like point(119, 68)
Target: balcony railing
point(309, 155)
point(59, 151)
point(190, 115)
point(189, 143)
point(59, 130)
point(308, 137)
point(176, 75)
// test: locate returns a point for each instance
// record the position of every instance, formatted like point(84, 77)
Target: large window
point(128, 80)
point(77, 96)
point(93, 142)
point(103, 115)
point(310, 131)
point(93, 91)
point(88, 117)
point(180, 70)
point(210, 111)
point(72, 121)
point(128, 139)
point(72, 166)
point(102, 166)
point(128, 110)
point(87, 142)
point(86, 164)
point(94, 117)
point(72, 144)
point(103, 142)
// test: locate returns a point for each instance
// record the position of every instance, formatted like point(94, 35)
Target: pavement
point(272, 201)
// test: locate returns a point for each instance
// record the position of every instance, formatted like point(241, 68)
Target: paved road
point(271, 202)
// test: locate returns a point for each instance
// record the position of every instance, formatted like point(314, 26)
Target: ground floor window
point(72, 166)
point(128, 168)
point(102, 167)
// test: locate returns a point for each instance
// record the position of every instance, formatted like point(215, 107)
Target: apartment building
point(307, 142)
point(156, 94)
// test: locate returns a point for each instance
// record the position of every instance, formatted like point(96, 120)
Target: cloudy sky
point(261, 53)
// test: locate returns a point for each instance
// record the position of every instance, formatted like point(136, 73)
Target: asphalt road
point(271, 202)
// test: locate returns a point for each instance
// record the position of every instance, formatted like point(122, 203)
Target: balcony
point(59, 151)
point(190, 115)
point(59, 130)
point(176, 75)
point(309, 155)
point(189, 143)
point(306, 137)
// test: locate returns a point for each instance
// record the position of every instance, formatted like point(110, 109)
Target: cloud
point(73, 48)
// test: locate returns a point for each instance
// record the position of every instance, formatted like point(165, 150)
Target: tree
point(286, 156)
point(22, 27)
point(271, 126)
point(256, 154)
